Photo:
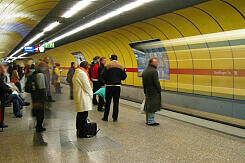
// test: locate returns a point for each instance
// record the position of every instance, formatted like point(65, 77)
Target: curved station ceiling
point(53, 18)
point(18, 18)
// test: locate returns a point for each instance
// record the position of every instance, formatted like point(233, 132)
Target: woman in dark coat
point(152, 90)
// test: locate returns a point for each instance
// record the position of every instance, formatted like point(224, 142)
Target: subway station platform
point(128, 140)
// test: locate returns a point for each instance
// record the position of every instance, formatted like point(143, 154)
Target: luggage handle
point(97, 131)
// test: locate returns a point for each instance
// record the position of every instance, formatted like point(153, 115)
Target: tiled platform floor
point(128, 140)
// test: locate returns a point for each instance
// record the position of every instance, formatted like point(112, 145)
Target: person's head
point(97, 59)
point(41, 66)
point(153, 62)
point(46, 59)
point(72, 64)
point(113, 57)
point(84, 64)
point(57, 65)
point(103, 60)
point(1, 69)
point(32, 66)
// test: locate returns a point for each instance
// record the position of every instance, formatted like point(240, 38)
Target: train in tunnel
point(202, 51)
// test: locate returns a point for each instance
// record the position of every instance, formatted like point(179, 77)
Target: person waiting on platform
point(15, 78)
point(38, 95)
point(113, 75)
point(70, 75)
point(101, 82)
point(83, 94)
point(47, 79)
point(57, 78)
point(152, 90)
point(95, 77)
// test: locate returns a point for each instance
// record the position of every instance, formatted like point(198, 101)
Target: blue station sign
point(29, 49)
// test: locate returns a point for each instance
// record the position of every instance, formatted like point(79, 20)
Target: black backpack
point(91, 129)
point(31, 83)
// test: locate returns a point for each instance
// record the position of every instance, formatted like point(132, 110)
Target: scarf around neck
point(84, 70)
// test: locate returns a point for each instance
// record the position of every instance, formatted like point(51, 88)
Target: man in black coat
point(101, 81)
point(152, 90)
point(113, 75)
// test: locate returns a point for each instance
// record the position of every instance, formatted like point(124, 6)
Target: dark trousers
point(18, 85)
point(71, 91)
point(18, 102)
point(58, 88)
point(81, 121)
point(101, 103)
point(96, 87)
point(112, 92)
point(2, 112)
point(38, 112)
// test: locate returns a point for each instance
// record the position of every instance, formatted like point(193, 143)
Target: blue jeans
point(18, 85)
point(150, 118)
point(17, 103)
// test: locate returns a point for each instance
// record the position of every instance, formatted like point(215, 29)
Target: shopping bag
point(142, 107)
point(101, 92)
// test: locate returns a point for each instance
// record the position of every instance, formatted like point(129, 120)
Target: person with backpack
point(83, 94)
point(70, 75)
point(36, 85)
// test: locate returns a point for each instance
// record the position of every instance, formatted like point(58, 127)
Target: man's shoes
point(71, 98)
point(19, 116)
point(104, 119)
point(41, 129)
point(3, 125)
point(154, 124)
point(85, 136)
point(101, 110)
point(51, 100)
point(26, 104)
point(114, 120)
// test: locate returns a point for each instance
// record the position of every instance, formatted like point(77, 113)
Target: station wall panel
point(205, 66)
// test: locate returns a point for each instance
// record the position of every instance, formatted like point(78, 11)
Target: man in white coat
point(83, 95)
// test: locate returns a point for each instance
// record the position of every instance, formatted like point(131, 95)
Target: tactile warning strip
point(96, 144)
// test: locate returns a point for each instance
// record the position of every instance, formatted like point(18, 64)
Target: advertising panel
point(145, 50)
point(79, 57)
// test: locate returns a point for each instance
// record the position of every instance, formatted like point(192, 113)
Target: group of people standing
point(87, 80)
point(84, 81)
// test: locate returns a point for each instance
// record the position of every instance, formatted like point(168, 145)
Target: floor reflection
point(38, 139)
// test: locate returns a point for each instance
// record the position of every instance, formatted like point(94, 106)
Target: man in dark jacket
point(152, 90)
point(95, 77)
point(113, 75)
point(69, 78)
point(101, 81)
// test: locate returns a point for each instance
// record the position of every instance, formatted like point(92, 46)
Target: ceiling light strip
point(107, 16)
point(72, 11)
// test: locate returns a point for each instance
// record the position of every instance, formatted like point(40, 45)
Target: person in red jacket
point(95, 77)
